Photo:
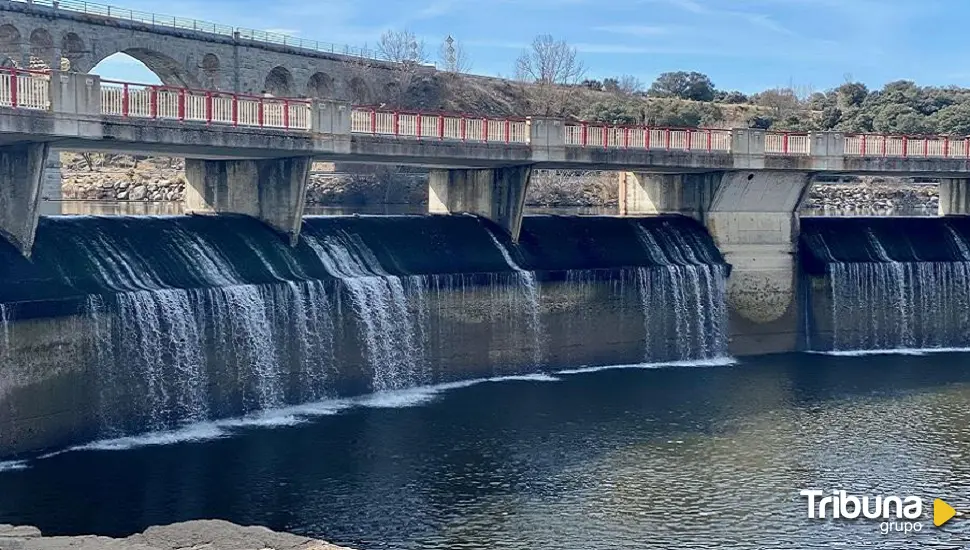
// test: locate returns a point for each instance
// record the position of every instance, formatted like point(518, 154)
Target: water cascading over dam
point(886, 283)
point(120, 325)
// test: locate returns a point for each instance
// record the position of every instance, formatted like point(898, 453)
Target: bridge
point(252, 155)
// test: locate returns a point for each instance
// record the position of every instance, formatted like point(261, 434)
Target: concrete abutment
point(22, 170)
point(271, 190)
point(752, 215)
point(495, 193)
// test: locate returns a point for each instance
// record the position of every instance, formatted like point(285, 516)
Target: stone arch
point(10, 40)
point(72, 47)
point(320, 86)
point(210, 70)
point(169, 71)
point(41, 47)
point(279, 82)
point(359, 91)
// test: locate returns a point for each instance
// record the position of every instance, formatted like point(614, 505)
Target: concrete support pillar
point(21, 179)
point(753, 219)
point(826, 151)
point(271, 190)
point(547, 138)
point(954, 197)
point(688, 194)
point(497, 194)
point(748, 148)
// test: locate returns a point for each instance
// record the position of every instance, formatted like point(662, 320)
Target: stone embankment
point(888, 196)
point(190, 535)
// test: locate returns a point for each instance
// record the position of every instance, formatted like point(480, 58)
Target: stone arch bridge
point(76, 36)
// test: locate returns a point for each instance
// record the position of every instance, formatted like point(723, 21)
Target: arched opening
point(145, 66)
point(41, 49)
point(320, 86)
point(9, 41)
point(359, 92)
point(72, 47)
point(279, 82)
point(210, 71)
point(121, 66)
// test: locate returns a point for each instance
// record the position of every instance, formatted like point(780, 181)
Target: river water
point(671, 457)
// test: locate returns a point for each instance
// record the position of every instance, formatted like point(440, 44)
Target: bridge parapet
point(552, 143)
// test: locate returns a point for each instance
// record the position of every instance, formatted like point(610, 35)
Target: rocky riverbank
point(127, 180)
point(887, 196)
point(190, 535)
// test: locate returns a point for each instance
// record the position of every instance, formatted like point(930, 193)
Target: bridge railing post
point(826, 150)
point(547, 138)
point(748, 147)
point(331, 117)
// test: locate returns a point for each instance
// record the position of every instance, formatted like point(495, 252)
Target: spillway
point(133, 324)
point(886, 283)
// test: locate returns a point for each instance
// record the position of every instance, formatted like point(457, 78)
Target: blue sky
point(747, 45)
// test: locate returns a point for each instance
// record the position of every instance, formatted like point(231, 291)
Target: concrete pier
point(271, 190)
point(954, 197)
point(22, 170)
point(752, 217)
point(497, 194)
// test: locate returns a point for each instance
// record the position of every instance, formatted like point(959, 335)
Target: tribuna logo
point(895, 513)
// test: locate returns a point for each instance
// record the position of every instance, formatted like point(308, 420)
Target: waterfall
point(529, 291)
point(896, 305)
point(689, 288)
point(187, 319)
point(891, 284)
point(384, 309)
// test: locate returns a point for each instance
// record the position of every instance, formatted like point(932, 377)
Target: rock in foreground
point(190, 535)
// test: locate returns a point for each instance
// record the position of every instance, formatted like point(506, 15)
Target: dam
point(674, 372)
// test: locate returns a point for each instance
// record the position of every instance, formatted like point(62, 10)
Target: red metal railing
point(881, 145)
point(24, 89)
point(641, 137)
point(130, 100)
point(787, 143)
point(439, 126)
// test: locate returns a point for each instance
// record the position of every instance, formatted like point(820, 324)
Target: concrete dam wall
point(123, 325)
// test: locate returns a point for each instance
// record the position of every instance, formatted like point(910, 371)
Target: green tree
point(683, 85)
point(954, 120)
point(899, 118)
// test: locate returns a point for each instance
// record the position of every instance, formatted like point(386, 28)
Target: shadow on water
point(631, 458)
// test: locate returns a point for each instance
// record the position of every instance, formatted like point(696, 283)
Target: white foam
point(537, 377)
point(716, 362)
point(12, 465)
point(897, 351)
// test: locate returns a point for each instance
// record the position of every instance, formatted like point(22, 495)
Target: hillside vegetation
point(550, 80)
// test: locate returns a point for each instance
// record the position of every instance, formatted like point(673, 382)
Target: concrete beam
point(497, 194)
point(954, 197)
point(21, 180)
point(271, 190)
point(648, 193)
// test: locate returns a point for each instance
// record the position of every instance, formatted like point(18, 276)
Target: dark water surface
point(675, 457)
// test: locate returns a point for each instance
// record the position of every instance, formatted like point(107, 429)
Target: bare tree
point(453, 57)
point(630, 85)
point(551, 65)
point(402, 47)
point(408, 54)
